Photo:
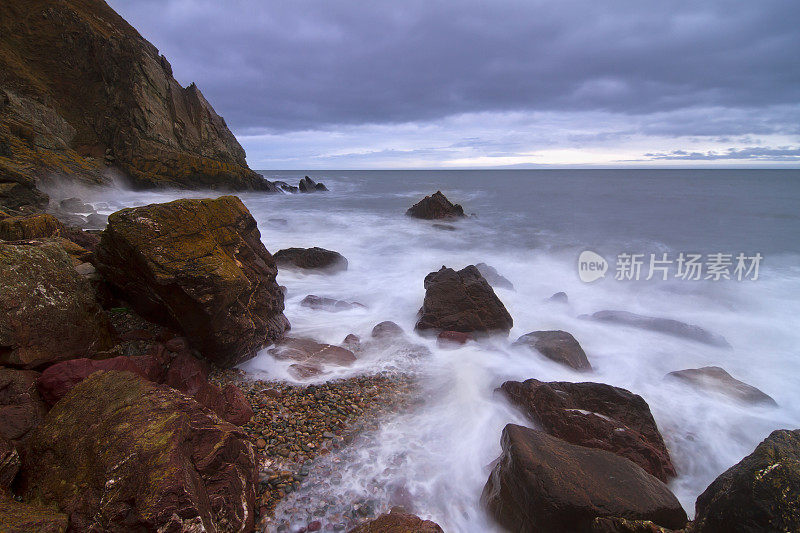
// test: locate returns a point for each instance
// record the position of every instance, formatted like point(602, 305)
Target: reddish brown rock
point(119, 453)
point(716, 379)
point(398, 521)
point(450, 338)
point(16, 517)
point(21, 407)
point(9, 464)
point(541, 483)
point(198, 266)
point(435, 206)
point(311, 259)
point(595, 415)
point(462, 301)
point(622, 525)
point(311, 352)
point(558, 346)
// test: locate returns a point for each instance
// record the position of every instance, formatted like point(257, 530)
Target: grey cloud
point(750, 153)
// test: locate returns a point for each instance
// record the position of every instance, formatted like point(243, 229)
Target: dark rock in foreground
point(716, 379)
point(311, 259)
point(558, 346)
point(18, 517)
point(21, 407)
point(198, 266)
point(662, 325)
point(397, 521)
point(541, 483)
point(121, 454)
point(9, 464)
point(48, 311)
point(595, 415)
point(622, 525)
point(462, 301)
point(760, 493)
point(495, 279)
point(435, 206)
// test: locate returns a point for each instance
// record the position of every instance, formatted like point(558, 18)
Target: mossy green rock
point(119, 453)
point(48, 311)
point(198, 265)
point(16, 517)
point(761, 493)
point(30, 227)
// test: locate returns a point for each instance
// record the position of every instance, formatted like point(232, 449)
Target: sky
point(338, 84)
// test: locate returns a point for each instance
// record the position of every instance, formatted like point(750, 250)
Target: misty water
point(531, 226)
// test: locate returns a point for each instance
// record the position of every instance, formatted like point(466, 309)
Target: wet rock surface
point(397, 521)
point(200, 266)
point(21, 407)
point(595, 415)
point(716, 380)
point(311, 259)
point(541, 483)
point(434, 207)
point(558, 346)
point(30, 227)
point(462, 301)
point(333, 305)
point(308, 185)
point(495, 279)
point(661, 325)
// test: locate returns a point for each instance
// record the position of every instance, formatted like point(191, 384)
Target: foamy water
point(531, 228)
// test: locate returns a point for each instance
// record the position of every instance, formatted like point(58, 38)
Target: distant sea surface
point(531, 225)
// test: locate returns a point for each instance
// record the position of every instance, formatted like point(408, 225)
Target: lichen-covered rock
point(595, 415)
point(199, 266)
point(716, 379)
point(541, 483)
point(119, 453)
point(9, 464)
point(16, 517)
point(397, 521)
point(21, 407)
point(311, 259)
point(30, 227)
point(558, 346)
point(759, 493)
point(622, 525)
point(462, 301)
point(48, 312)
point(435, 206)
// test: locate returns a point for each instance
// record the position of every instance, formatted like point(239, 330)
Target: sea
point(642, 227)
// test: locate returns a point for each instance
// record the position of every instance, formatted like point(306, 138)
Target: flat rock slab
point(558, 346)
point(716, 379)
point(661, 325)
point(309, 351)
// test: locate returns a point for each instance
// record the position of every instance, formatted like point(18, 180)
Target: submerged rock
point(385, 329)
point(595, 415)
point(558, 346)
point(494, 278)
point(559, 298)
point(759, 493)
point(435, 206)
point(462, 301)
point(329, 304)
point(21, 407)
point(48, 311)
point(661, 325)
point(198, 266)
point(397, 521)
point(541, 483)
point(119, 453)
point(716, 379)
point(311, 259)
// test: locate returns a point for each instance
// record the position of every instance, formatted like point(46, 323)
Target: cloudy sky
point(461, 83)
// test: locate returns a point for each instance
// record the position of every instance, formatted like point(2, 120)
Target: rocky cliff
point(82, 91)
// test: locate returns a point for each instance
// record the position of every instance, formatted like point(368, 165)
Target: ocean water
point(531, 225)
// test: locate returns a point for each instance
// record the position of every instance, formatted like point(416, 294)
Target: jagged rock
point(30, 227)
point(106, 95)
point(558, 346)
point(541, 483)
point(198, 266)
point(16, 517)
point(311, 259)
point(661, 325)
point(495, 279)
point(397, 521)
point(462, 301)
point(309, 185)
point(9, 464)
point(48, 312)
point(716, 379)
point(21, 407)
point(759, 493)
point(595, 415)
point(119, 453)
point(329, 304)
point(435, 206)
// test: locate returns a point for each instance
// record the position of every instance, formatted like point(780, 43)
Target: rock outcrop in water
point(462, 301)
point(595, 415)
point(81, 91)
point(398, 521)
point(759, 493)
point(558, 346)
point(661, 325)
point(198, 266)
point(716, 379)
point(541, 483)
point(311, 259)
point(435, 206)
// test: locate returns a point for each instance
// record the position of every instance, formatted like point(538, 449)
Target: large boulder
point(716, 379)
point(397, 521)
point(119, 453)
point(48, 311)
point(311, 259)
point(541, 483)
point(30, 227)
point(595, 415)
point(435, 206)
point(200, 266)
point(558, 346)
point(759, 493)
point(16, 517)
point(661, 325)
point(462, 301)
point(21, 407)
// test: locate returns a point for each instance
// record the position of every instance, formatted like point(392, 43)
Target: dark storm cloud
point(290, 66)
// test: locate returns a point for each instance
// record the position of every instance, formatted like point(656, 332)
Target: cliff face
point(81, 90)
